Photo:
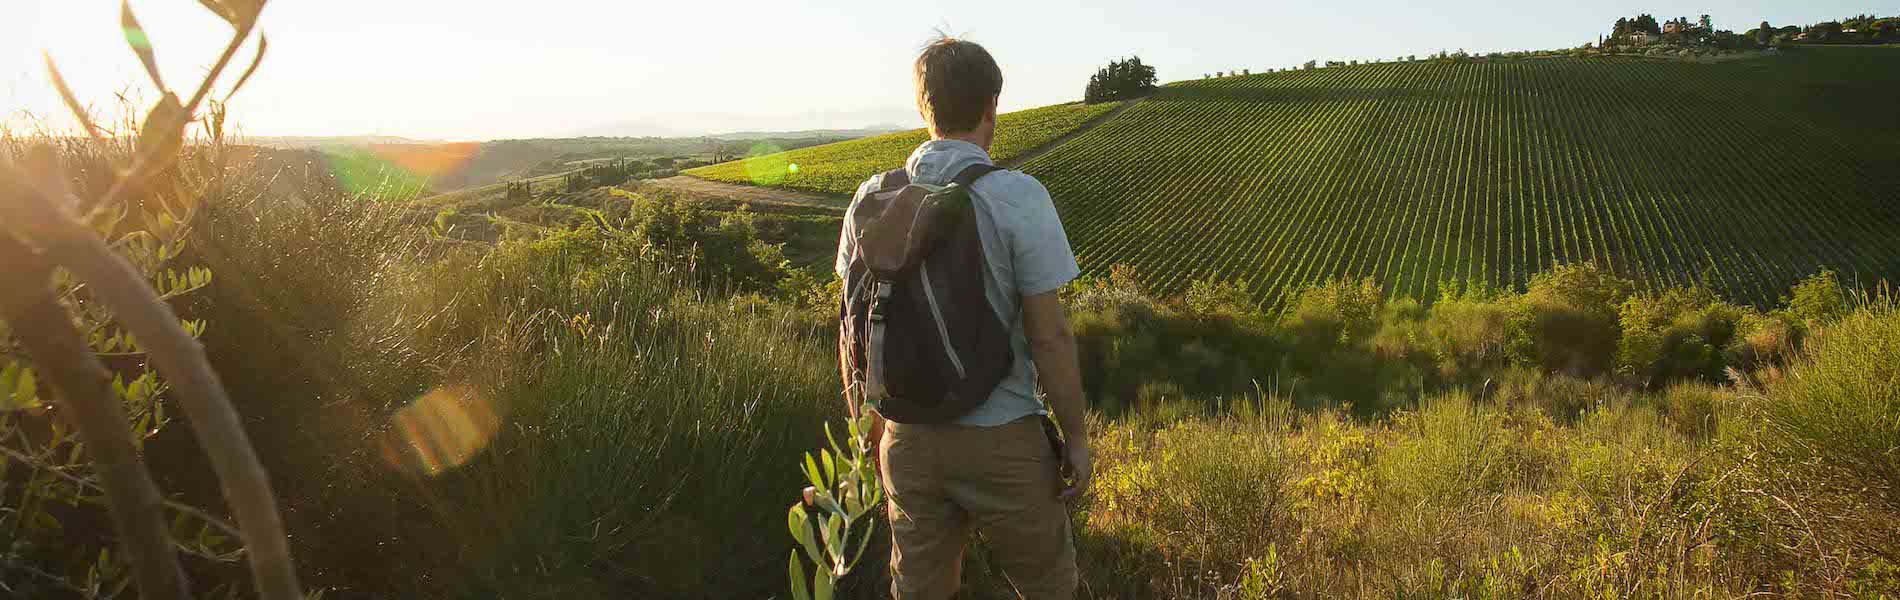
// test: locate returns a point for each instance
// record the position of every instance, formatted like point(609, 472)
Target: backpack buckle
point(883, 292)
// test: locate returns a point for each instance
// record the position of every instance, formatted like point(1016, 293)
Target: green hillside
point(1752, 172)
point(838, 168)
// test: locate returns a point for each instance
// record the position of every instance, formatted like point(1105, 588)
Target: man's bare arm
point(1052, 347)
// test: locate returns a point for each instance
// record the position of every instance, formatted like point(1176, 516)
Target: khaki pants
point(944, 479)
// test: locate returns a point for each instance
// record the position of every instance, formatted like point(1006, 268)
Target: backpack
point(917, 337)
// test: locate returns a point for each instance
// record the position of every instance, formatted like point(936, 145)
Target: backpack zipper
point(936, 314)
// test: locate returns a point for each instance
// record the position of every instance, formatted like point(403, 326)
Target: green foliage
point(1333, 315)
point(1469, 333)
point(674, 232)
point(1122, 79)
point(1681, 333)
point(628, 416)
point(1346, 343)
point(1839, 416)
point(1818, 299)
point(52, 505)
point(841, 167)
point(1210, 297)
point(1572, 318)
point(843, 496)
point(1461, 498)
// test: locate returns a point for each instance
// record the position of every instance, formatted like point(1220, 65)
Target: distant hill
point(811, 133)
point(437, 166)
point(294, 142)
point(1742, 174)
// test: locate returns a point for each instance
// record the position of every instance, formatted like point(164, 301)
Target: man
point(993, 468)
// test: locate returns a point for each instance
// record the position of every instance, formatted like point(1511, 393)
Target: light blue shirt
point(1023, 242)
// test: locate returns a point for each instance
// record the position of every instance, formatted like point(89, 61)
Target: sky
point(478, 69)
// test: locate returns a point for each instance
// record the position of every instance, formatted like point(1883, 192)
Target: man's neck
point(981, 141)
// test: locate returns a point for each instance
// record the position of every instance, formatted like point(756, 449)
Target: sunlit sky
point(478, 69)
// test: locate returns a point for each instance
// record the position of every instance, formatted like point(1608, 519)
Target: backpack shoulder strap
point(974, 172)
point(894, 179)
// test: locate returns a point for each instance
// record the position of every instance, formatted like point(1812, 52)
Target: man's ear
point(991, 115)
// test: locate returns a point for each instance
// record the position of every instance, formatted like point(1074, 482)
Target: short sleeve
point(846, 247)
point(847, 242)
point(1039, 247)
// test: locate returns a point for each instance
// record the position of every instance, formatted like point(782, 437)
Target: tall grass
point(556, 414)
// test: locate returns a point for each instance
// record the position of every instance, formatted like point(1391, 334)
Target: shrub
point(1572, 321)
point(1817, 299)
point(1681, 333)
point(1469, 333)
point(1212, 298)
point(1836, 420)
point(1693, 409)
point(1450, 450)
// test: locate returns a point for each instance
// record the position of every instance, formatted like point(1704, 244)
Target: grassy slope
point(1752, 171)
point(839, 168)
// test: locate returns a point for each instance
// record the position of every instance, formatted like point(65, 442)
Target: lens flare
point(764, 164)
point(394, 171)
point(439, 431)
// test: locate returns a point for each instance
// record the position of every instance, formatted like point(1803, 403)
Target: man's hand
point(1080, 466)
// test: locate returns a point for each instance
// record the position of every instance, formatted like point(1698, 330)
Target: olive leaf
point(239, 13)
point(72, 101)
point(164, 129)
point(263, 43)
point(141, 44)
point(220, 9)
point(797, 573)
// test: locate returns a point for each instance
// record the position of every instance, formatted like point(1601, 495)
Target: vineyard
point(839, 168)
point(1744, 175)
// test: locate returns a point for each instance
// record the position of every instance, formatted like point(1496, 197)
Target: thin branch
point(81, 386)
point(194, 511)
point(179, 358)
point(224, 59)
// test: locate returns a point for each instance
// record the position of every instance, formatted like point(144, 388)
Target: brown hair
point(955, 80)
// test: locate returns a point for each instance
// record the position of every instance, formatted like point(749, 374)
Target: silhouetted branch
point(82, 388)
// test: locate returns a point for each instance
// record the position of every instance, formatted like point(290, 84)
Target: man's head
point(957, 86)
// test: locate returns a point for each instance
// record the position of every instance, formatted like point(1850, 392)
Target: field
point(1744, 175)
point(1414, 174)
point(839, 168)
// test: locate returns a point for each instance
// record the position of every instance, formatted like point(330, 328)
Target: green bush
point(1834, 422)
point(1572, 321)
point(1450, 450)
point(1469, 334)
point(1681, 333)
point(1817, 299)
point(1694, 409)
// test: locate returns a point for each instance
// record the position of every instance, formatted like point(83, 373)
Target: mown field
point(839, 168)
point(1747, 173)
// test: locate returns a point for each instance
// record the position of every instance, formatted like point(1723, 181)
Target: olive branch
point(45, 225)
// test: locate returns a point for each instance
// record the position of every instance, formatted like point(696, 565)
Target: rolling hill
point(1743, 174)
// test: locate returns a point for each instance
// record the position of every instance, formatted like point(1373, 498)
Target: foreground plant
point(49, 234)
point(844, 490)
